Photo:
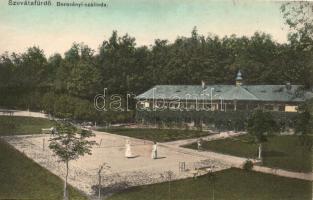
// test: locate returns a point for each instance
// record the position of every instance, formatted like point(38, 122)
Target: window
point(291, 108)
point(146, 104)
point(276, 108)
point(268, 107)
point(281, 108)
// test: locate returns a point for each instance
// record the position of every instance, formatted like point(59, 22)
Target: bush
point(230, 120)
point(248, 165)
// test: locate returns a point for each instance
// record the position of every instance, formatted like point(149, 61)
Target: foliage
point(158, 135)
point(66, 106)
point(248, 165)
point(261, 124)
point(230, 120)
point(69, 143)
point(304, 123)
point(64, 85)
point(298, 16)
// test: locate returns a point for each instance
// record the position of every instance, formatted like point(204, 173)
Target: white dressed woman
point(128, 153)
point(154, 153)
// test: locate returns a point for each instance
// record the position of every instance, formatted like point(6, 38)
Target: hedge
point(230, 120)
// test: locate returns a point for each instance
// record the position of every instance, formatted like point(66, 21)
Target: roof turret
point(239, 79)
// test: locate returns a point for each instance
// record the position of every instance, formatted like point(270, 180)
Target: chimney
point(203, 84)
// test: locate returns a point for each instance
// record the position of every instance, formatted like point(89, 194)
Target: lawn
point(231, 184)
point(284, 152)
point(21, 178)
point(12, 125)
point(158, 135)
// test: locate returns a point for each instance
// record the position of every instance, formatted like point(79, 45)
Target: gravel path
point(5, 112)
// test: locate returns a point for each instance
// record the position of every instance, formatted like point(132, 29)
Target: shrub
point(248, 165)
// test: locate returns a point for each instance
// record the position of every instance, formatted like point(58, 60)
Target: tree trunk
point(65, 183)
point(99, 189)
point(260, 152)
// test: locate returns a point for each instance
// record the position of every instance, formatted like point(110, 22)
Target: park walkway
point(284, 173)
point(7, 112)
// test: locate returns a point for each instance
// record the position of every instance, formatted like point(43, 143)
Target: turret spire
point(239, 79)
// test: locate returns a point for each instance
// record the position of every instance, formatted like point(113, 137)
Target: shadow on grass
point(110, 189)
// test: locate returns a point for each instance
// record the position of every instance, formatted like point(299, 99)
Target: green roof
point(238, 93)
point(278, 93)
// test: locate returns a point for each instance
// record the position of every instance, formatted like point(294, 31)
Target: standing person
point(128, 153)
point(154, 154)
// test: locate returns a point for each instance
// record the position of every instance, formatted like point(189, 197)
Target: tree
point(117, 60)
point(304, 121)
point(298, 16)
point(33, 66)
point(261, 124)
point(54, 63)
point(65, 86)
point(304, 124)
point(47, 102)
point(64, 106)
point(84, 80)
point(70, 143)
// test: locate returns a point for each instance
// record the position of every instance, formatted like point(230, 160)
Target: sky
point(54, 29)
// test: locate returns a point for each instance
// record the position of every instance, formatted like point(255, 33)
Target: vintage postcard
point(156, 99)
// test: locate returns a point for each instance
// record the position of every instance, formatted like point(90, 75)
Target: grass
point(13, 125)
point(231, 184)
point(158, 135)
point(21, 178)
point(284, 152)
